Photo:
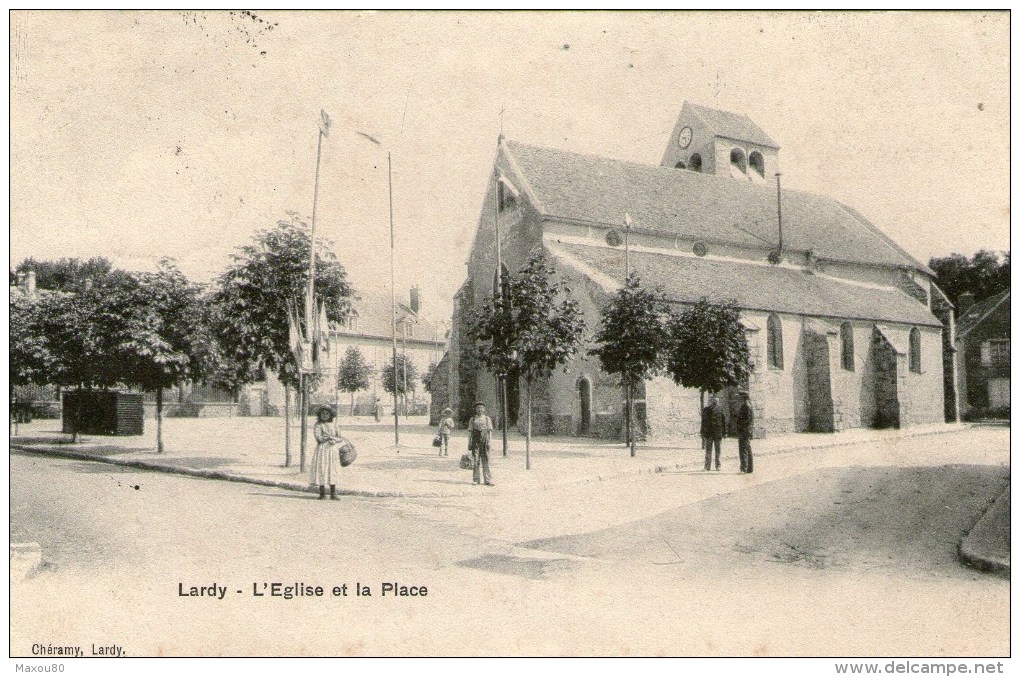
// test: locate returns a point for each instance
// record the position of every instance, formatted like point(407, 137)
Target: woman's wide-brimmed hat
point(326, 410)
point(447, 411)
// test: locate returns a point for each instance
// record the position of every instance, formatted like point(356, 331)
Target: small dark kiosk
point(103, 412)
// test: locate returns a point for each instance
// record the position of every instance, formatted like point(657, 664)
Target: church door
point(819, 384)
point(584, 393)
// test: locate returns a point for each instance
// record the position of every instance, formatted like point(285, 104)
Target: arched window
point(915, 350)
point(738, 160)
point(775, 342)
point(681, 165)
point(694, 163)
point(846, 337)
point(757, 163)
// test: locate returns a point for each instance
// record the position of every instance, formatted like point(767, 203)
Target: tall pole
point(502, 378)
point(627, 222)
point(779, 209)
point(310, 314)
point(393, 305)
point(286, 423)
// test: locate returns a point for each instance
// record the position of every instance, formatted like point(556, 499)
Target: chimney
point(30, 284)
point(415, 300)
point(965, 301)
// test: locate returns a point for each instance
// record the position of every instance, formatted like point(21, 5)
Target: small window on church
point(915, 350)
point(846, 337)
point(694, 163)
point(738, 161)
point(681, 165)
point(775, 342)
point(757, 163)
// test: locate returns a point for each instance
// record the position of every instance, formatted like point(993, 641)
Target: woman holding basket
point(326, 459)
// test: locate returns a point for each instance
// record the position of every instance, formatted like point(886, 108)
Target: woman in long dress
point(326, 459)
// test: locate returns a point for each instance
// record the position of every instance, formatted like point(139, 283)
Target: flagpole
point(393, 304)
point(310, 315)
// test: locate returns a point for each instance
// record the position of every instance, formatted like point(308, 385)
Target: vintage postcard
point(412, 333)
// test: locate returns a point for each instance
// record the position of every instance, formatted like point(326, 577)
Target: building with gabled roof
point(982, 343)
point(368, 328)
point(845, 327)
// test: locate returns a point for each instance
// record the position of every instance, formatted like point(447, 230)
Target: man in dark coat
point(713, 425)
point(745, 429)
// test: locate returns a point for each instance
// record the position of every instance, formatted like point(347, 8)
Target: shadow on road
point(908, 518)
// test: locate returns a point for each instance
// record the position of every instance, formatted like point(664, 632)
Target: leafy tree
point(65, 274)
point(353, 373)
point(266, 275)
point(632, 341)
point(411, 375)
point(30, 358)
point(252, 298)
point(528, 329)
point(708, 347)
point(406, 375)
point(84, 335)
point(166, 342)
point(983, 275)
point(428, 378)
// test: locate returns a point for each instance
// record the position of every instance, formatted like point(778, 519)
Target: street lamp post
point(393, 301)
point(627, 223)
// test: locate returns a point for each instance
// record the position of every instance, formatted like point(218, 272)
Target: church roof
point(698, 207)
point(753, 286)
point(732, 125)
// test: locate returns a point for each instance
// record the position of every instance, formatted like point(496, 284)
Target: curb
point(971, 553)
point(213, 474)
point(305, 488)
point(824, 445)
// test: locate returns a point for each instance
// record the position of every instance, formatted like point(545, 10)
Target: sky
point(138, 135)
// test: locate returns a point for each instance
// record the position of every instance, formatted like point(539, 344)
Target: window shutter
point(986, 354)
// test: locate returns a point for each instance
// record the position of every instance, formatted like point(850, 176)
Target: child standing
point(445, 429)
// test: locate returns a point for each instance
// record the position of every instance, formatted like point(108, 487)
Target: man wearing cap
point(713, 425)
point(480, 430)
point(745, 429)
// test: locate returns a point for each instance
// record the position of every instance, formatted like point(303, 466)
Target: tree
point(65, 274)
point(166, 342)
point(983, 275)
point(528, 330)
point(708, 347)
point(429, 377)
point(85, 335)
point(632, 341)
point(353, 373)
point(30, 358)
point(253, 295)
point(406, 375)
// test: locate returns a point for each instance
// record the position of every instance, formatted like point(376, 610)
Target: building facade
point(845, 328)
point(983, 355)
point(369, 330)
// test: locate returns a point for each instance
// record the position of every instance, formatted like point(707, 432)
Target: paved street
point(841, 551)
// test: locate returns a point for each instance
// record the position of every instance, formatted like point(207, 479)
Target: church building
point(845, 328)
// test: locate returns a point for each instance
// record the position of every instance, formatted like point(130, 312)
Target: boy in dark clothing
point(745, 430)
point(713, 425)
